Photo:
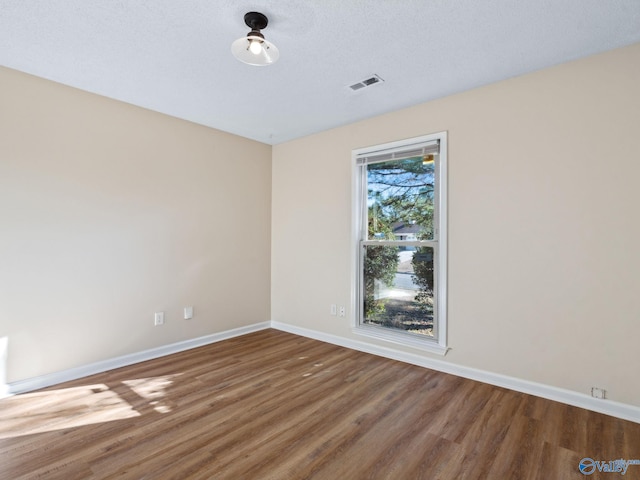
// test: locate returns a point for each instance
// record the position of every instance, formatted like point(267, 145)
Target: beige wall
point(543, 223)
point(109, 213)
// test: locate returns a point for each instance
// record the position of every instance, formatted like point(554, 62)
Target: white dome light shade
point(254, 49)
point(266, 52)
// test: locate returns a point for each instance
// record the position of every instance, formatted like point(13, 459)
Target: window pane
point(398, 288)
point(400, 197)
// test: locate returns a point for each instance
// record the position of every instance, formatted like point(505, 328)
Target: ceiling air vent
point(367, 82)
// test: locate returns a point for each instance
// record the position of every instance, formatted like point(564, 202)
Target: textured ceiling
point(174, 56)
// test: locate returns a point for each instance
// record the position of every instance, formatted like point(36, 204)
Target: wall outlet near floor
point(158, 318)
point(598, 393)
point(188, 313)
point(342, 311)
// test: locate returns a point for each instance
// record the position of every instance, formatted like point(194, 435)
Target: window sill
point(427, 344)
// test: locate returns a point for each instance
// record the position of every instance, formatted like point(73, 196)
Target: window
point(400, 224)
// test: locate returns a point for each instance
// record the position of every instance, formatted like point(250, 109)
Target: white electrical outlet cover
point(158, 318)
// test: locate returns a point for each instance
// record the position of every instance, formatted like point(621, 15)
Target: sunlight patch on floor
point(50, 410)
point(65, 408)
point(152, 389)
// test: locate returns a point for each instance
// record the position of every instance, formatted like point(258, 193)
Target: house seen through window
point(401, 216)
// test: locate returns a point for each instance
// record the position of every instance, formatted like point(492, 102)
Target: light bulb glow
point(254, 50)
point(255, 46)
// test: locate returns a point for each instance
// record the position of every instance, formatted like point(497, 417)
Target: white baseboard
point(569, 397)
point(47, 380)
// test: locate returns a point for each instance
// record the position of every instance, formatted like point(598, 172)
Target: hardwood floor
point(271, 405)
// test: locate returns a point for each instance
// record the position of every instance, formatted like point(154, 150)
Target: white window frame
point(438, 343)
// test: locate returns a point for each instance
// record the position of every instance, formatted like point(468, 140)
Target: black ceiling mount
point(255, 20)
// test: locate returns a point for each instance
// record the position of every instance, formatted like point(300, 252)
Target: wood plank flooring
point(271, 405)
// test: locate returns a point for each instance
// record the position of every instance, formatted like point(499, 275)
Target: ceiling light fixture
point(254, 49)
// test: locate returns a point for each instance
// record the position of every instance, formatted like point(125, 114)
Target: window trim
point(436, 345)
